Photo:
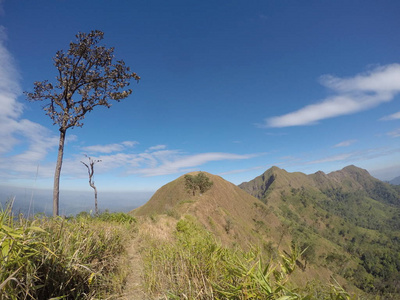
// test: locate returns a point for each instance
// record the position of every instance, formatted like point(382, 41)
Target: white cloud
point(184, 163)
point(242, 170)
point(345, 143)
point(158, 147)
point(394, 116)
point(23, 144)
point(380, 79)
point(339, 157)
point(129, 143)
point(109, 148)
point(361, 92)
point(394, 133)
point(9, 86)
point(354, 156)
point(148, 164)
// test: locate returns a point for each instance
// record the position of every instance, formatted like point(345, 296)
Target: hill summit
point(233, 215)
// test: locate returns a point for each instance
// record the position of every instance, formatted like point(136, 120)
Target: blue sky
point(228, 87)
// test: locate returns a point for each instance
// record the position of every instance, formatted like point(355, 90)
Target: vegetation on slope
point(357, 215)
point(231, 214)
point(238, 220)
point(56, 258)
point(220, 244)
point(191, 264)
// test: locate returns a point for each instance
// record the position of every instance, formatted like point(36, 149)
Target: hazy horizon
point(35, 200)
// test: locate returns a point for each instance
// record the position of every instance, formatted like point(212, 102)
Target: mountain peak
point(354, 169)
point(225, 209)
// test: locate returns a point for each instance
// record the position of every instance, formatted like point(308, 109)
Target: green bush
point(199, 182)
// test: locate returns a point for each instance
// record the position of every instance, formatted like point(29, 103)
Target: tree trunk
point(56, 188)
point(95, 201)
point(95, 197)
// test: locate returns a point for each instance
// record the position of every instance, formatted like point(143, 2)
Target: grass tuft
point(57, 258)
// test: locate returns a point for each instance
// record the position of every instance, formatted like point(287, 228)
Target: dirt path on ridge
point(134, 283)
point(159, 230)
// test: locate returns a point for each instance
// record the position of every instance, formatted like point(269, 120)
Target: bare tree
point(87, 77)
point(90, 168)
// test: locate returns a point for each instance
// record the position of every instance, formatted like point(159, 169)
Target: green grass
point(193, 265)
point(56, 258)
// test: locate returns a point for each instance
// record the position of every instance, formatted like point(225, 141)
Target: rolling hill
point(233, 215)
point(347, 222)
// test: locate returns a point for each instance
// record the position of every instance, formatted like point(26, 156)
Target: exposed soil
point(134, 289)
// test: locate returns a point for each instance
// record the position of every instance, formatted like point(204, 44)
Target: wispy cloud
point(23, 143)
point(394, 133)
point(109, 148)
point(243, 170)
point(353, 156)
point(355, 94)
point(158, 147)
point(186, 163)
point(339, 157)
point(391, 117)
point(345, 143)
point(149, 164)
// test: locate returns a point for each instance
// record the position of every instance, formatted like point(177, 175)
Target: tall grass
point(195, 266)
point(56, 258)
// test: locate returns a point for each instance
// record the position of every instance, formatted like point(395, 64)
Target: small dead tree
point(90, 168)
point(88, 76)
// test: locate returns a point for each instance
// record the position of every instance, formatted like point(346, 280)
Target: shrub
point(199, 182)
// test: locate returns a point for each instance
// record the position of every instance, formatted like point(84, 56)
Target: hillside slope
point(395, 181)
point(349, 208)
point(230, 213)
point(238, 219)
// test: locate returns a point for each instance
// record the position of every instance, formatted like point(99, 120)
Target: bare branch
point(87, 77)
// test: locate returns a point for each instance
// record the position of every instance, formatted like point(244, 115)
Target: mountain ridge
point(348, 207)
point(346, 221)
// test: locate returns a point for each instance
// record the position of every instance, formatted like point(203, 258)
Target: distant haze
point(395, 181)
point(32, 201)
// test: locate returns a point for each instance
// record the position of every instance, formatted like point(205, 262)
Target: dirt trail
point(159, 230)
point(134, 284)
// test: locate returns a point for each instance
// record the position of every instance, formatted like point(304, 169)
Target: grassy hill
point(233, 215)
point(236, 218)
point(347, 222)
point(359, 215)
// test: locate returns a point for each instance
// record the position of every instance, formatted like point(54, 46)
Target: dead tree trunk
point(90, 168)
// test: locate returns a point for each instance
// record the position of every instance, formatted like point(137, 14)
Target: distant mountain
point(395, 181)
point(349, 179)
point(353, 210)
